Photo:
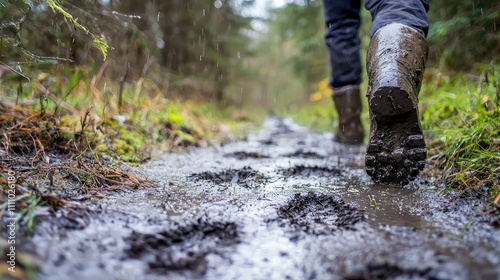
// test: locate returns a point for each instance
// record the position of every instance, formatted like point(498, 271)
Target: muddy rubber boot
point(396, 59)
point(347, 101)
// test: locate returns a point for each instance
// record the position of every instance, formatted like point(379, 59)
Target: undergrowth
point(462, 121)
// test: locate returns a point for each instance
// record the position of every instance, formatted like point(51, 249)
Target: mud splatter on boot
point(396, 59)
point(347, 101)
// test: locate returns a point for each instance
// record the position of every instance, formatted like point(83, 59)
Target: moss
point(101, 148)
point(64, 135)
point(126, 151)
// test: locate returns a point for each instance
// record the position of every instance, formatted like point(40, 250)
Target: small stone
point(414, 172)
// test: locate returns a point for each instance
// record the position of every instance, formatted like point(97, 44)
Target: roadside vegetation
point(461, 116)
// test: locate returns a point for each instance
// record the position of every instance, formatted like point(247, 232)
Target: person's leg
point(396, 59)
point(342, 22)
point(412, 13)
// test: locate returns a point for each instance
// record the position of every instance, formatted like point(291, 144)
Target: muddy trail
point(284, 204)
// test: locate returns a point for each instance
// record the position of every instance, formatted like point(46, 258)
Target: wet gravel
point(285, 204)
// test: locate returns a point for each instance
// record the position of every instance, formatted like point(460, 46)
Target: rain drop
point(160, 43)
point(218, 4)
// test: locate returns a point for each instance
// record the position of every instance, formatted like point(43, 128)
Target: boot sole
point(396, 150)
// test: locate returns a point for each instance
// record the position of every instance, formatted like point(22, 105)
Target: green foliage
point(148, 120)
point(56, 7)
point(463, 33)
point(302, 26)
point(23, 25)
point(461, 118)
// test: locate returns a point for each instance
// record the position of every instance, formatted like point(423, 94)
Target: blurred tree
point(464, 32)
point(185, 38)
point(301, 23)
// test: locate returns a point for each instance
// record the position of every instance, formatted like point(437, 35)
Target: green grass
point(462, 121)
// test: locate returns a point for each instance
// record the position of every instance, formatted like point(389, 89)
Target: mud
point(215, 216)
point(182, 246)
point(320, 214)
point(304, 154)
point(308, 171)
point(241, 155)
point(246, 177)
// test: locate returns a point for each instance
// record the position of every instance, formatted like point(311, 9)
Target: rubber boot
point(396, 149)
point(347, 101)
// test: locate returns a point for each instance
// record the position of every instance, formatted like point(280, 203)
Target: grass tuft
point(462, 123)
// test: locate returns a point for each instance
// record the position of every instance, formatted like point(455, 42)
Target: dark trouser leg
point(412, 13)
point(342, 22)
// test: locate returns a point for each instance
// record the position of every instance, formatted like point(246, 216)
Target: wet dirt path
point(285, 204)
